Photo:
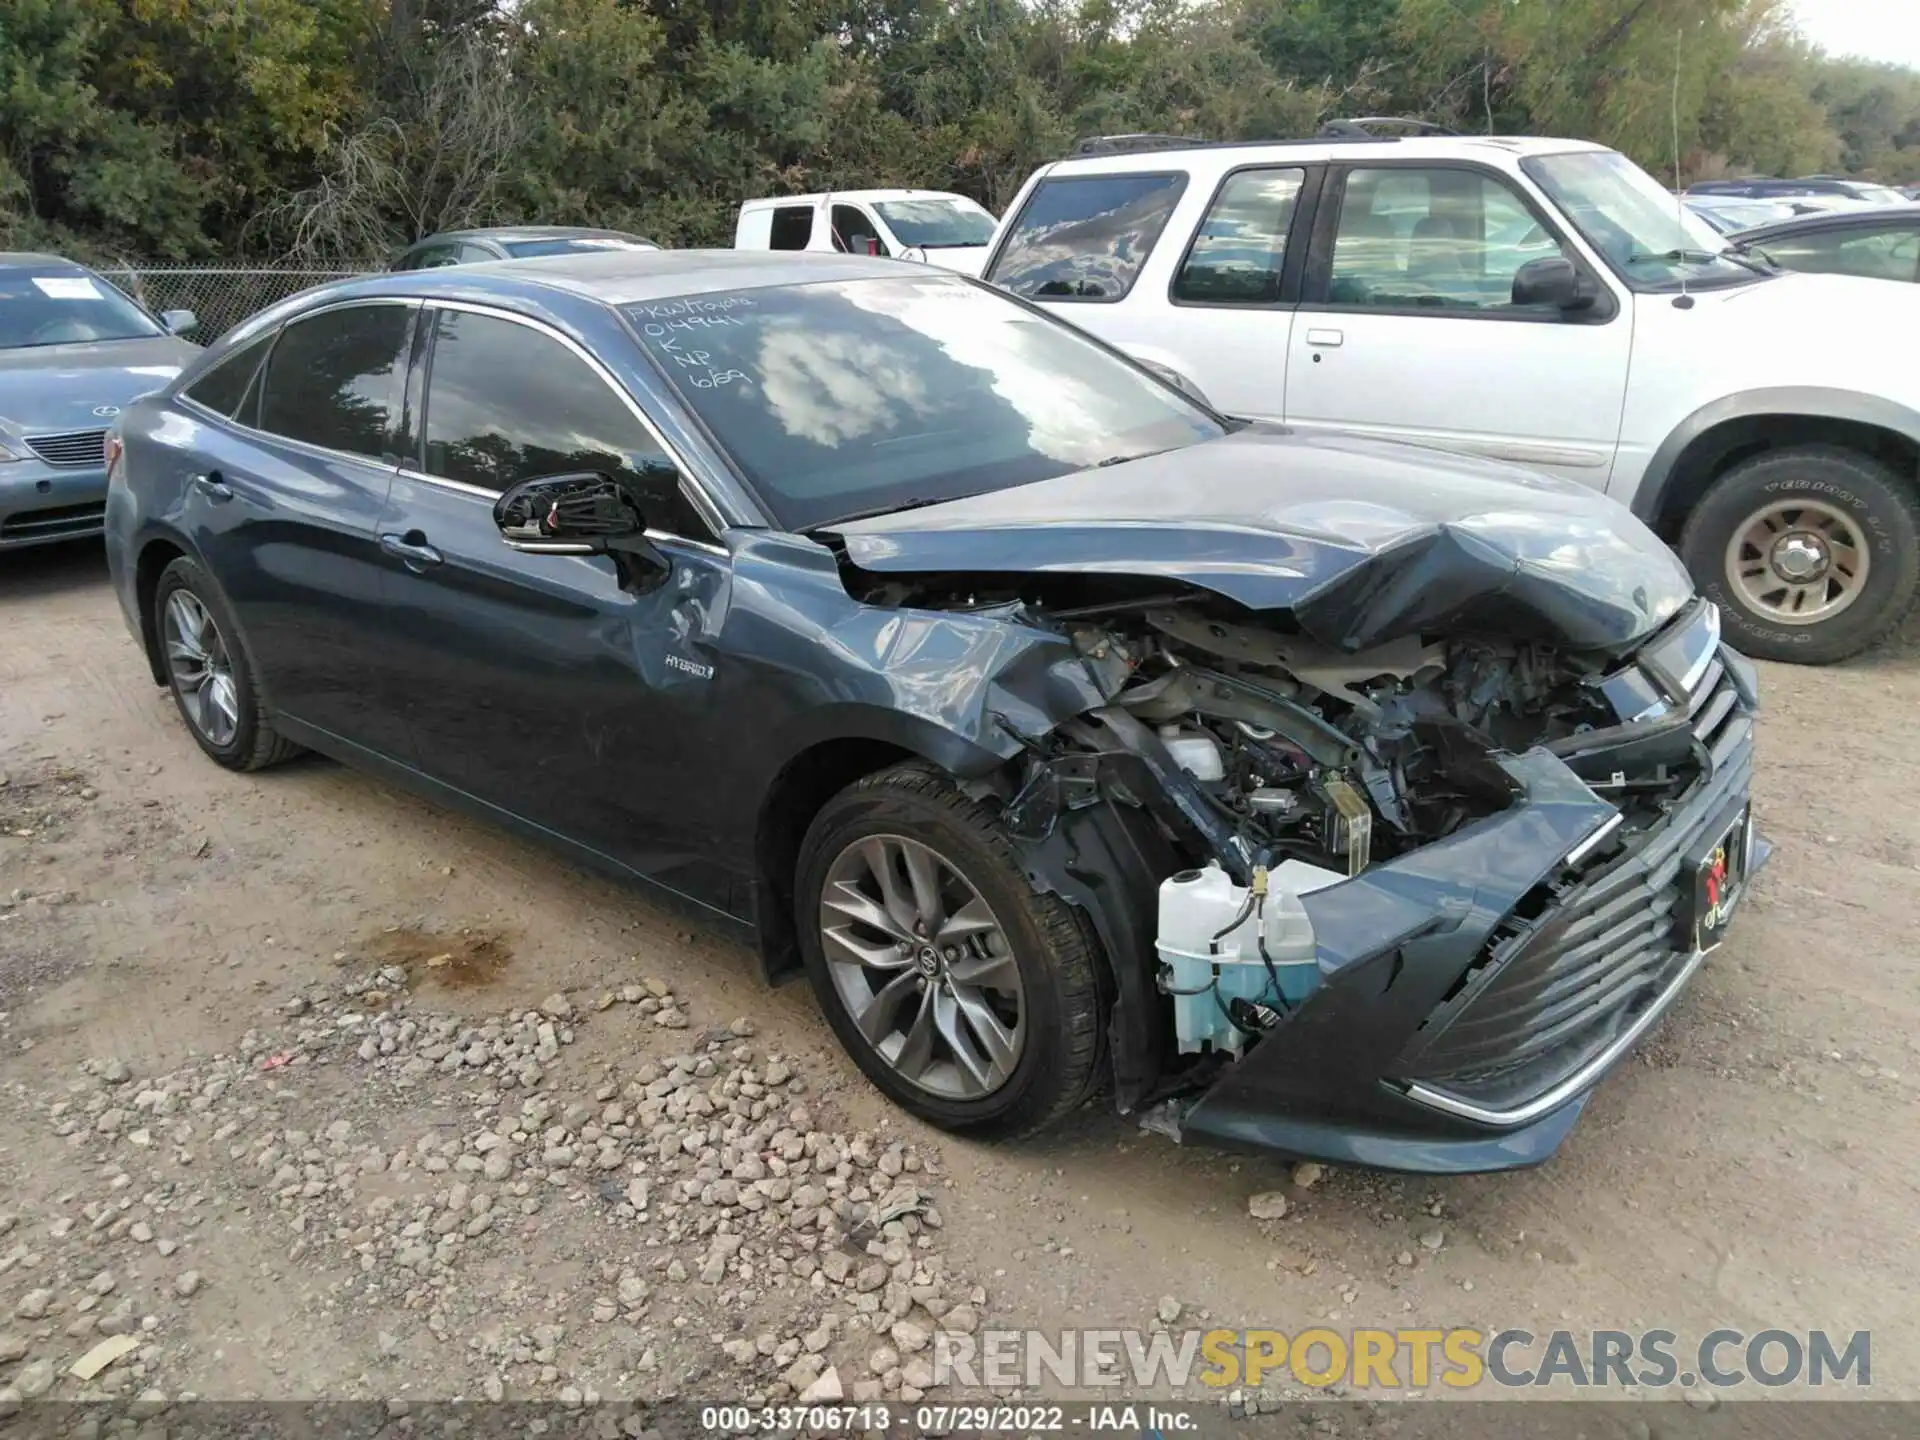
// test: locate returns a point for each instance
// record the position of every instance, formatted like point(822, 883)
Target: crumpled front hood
point(1362, 540)
point(55, 388)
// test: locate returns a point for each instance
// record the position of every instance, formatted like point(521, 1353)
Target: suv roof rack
point(1366, 127)
point(1333, 133)
point(1130, 144)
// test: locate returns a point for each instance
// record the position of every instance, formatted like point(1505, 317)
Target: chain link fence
point(220, 296)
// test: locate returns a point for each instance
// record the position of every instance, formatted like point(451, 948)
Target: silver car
point(74, 351)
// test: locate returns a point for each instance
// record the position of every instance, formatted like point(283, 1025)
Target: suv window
point(333, 379)
point(1241, 246)
point(507, 402)
point(1085, 237)
point(1892, 254)
point(223, 387)
point(1432, 240)
point(792, 227)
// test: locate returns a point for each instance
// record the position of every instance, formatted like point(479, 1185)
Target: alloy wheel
point(201, 669)
point(923, 967)
point(1798, 562)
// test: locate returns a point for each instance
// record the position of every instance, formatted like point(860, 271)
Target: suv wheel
point(1812, 554)
point(209, 673)
point(972, 1001)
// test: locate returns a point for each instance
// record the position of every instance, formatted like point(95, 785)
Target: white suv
point(1543, 302)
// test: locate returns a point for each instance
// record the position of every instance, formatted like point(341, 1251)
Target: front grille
point(1576, 967)
point(55, 523)
point(75, 447)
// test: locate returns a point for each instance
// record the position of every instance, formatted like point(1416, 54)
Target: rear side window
point(223, 387)
point(1241, 246)
point(333, 380)
point(1085, 237)
point(792, 227)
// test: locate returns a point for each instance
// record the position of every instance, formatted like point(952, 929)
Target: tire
point(1048, 945)
point(223, 711)
point(1827, 493)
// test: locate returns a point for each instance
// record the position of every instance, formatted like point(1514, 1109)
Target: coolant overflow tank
point(1205, 976)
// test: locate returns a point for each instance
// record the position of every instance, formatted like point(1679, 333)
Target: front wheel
point(968, 998)
point(1812, 553)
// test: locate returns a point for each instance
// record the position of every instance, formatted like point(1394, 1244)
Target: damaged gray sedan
point(1311, 793)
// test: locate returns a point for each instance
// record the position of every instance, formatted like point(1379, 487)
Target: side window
point(223, 387)
point(1888, 255)
point(1432, 240)
point(792, 227)
point(472, 255)
point(1241, 246)
point(854, 230)
point(506, 403)
point(1085, 237)
point(333, 379)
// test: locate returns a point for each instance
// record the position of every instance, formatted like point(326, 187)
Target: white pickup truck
point(933, 226)
point(1544, 302)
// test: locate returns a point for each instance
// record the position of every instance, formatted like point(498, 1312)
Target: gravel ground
point(309, 1090)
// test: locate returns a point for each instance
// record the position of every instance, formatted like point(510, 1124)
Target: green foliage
point(185, 128)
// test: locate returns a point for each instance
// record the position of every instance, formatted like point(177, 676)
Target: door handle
point(1332, 339)
point(213, 487)
point(412, 548)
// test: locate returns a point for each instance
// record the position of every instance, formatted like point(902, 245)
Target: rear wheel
point(968, 998)
point(1812, 553)
point(210, 674)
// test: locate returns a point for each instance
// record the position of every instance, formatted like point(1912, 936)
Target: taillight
point(114, 448)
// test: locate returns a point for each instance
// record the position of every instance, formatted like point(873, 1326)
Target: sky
point(1876, 29)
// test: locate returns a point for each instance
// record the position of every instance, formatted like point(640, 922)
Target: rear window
point(1085, 237)
point(574, 245)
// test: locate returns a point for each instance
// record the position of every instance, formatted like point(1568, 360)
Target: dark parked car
point(1764, 187)
point(1357, 800)
point(1879, 244)
point(511, 242)
point(74, 350)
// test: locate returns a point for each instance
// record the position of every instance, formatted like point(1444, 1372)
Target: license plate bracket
point(1718, 870)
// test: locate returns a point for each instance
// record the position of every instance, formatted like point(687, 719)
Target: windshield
point(66, 307)
point(1649, 237)
point(858, 397)
point(570, 244)
point(1880, 194)
point(937, 224)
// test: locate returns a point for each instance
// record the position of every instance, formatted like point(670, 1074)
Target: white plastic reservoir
point(1205, 976)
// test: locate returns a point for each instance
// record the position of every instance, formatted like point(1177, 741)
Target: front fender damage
point(1400, 810)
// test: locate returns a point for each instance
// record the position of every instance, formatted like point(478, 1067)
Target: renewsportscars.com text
point(1407, 1359)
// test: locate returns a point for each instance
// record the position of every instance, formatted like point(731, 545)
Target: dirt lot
point(313, 1090)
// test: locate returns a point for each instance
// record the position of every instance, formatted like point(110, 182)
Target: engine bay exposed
point(1277, 766)
point(1284, 747)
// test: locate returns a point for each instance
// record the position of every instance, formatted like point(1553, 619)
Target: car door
point(282, 506)
point(1407, 328)
point(1231, 301)
point(564, 690)
point(855, 230)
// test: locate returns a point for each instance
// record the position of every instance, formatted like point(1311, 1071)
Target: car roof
point(1880, 217)
point(1216, 155)
point(623, 277)
point(523, 232)
point(36, 260)
point(857, 197)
